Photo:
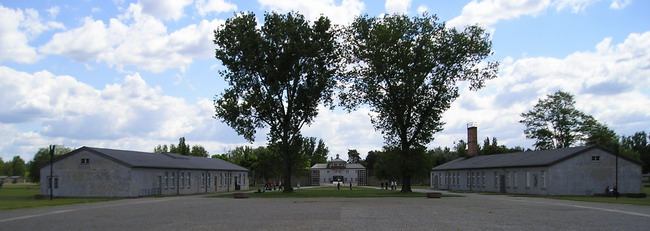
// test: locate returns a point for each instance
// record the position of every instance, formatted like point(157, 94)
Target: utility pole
point(51, 178)
point(616, 182)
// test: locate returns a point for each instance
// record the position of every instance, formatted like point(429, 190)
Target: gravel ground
point(473, 212)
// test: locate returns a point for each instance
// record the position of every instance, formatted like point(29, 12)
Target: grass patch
point(331, 192)
point(17, 196)
point(621, 200)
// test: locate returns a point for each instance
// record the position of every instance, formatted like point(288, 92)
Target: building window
point(202, 179)
point(473, 183)
point(527, 179)
point(166, 180)
point(220, 179)
point(189, 180)
point(514, 184)
point(535, 180)
point(209, 178)
point(508, 177)
point(496, 180)
point(56, 182)
point(85, 160)
point(328, 171)
point(182, 179)
point(469, 180)
point(347, 171)
point(595, 158)
point(483, 181)
point(543, 179)
point(173, 182)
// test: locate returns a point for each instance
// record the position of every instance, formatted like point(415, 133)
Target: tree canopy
point(182, 148)
point(278, 74)
point(406, 70)
point(41, 157)
point(554, 122)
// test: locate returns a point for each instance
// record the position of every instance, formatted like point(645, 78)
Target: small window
point(595, 158)
point(182, 177)
point(543, 179)
point(85, 160)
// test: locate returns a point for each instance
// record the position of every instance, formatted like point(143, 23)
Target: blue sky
point(134, 74)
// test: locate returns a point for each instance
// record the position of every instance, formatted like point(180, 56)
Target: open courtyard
point(202, 212)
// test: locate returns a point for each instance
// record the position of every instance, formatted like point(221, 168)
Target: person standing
point(382, 185)
point(338, 185)
point(350, 185)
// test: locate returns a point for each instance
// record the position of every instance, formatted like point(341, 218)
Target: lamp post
point(50, 179)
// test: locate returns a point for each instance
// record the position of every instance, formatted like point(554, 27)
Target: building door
point(159, 185)
point(502, 184)
point(435, 181)
point(53, 186)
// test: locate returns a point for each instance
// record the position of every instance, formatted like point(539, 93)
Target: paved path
point(473, 212)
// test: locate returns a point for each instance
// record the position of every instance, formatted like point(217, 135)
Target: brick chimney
point(472, 140)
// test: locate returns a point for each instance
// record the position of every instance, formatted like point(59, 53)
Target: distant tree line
point(265, 162)
point(182, 148)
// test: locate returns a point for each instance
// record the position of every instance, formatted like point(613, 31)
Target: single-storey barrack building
point(101, 172)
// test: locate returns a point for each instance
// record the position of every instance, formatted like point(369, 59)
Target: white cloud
point(340, 14)
point(422, 9)
point(217, 6)
point(164, 9)
point(489, 12)
point(17, 28)
point(397, 6)
point(342, 131)
point(53, 11)
point(128, 115)
point(135, 39)
point(619, 4)
point(609, 83)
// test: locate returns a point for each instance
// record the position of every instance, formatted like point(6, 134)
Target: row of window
point(344, 179)
point(185, 180)
point(477, 179)
point(339, 171)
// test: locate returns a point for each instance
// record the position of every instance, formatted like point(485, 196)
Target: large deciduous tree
point(554, 122)
point(41, 157)
point(406, 70)
point(278, 75)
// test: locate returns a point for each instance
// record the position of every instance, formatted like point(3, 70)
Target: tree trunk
point(406, 172)
point(406, 184)
point(286, 184)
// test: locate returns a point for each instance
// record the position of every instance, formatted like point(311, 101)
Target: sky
point(134, 74)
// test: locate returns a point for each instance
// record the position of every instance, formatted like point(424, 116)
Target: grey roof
point(519, 159)
point(136, 159)
point(319, 166)
point(347, 166)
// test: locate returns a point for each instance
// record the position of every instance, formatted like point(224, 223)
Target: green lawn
point(16, 196)
point(621, 200)
point(331, 192)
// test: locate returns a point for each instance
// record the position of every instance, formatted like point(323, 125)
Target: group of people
point(273, 185)
point(611, 192)
point(393, 185)
point(338, 185)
